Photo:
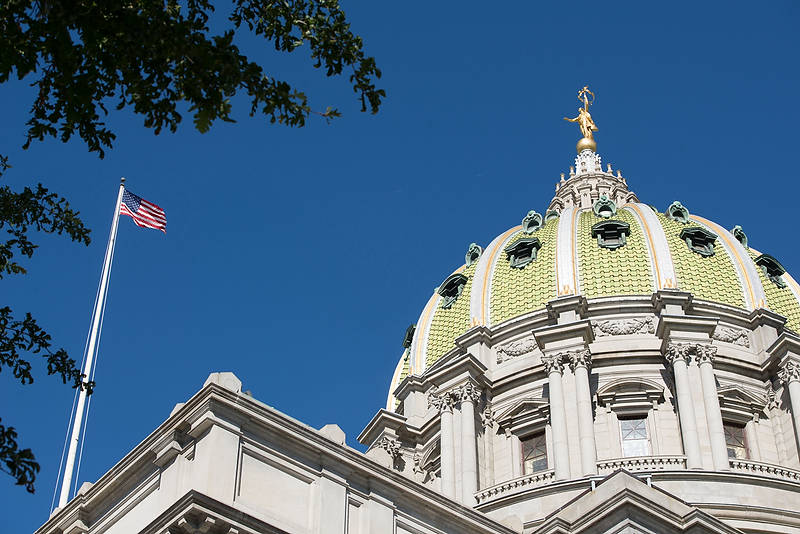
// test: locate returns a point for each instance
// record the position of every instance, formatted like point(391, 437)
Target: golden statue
point(584, 120)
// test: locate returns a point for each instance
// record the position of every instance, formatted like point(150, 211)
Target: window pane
point(634, 437)
point(534, 453)
point(734, 439)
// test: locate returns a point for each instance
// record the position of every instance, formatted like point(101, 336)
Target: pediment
point(526, 412)
point(623, 503)
point(739, 404)
point(630, 392)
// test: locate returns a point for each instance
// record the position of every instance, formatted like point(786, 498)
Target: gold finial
point(584, 120)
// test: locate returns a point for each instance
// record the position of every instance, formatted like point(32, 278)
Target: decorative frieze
point(789, 372)
point(622, 327)
point(516, 348)
point(735, 336)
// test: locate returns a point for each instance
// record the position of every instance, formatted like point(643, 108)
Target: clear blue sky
point(297, 258)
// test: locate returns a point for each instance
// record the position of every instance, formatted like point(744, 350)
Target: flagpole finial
point(122, 180)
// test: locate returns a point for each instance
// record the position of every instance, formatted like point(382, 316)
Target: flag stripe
point(144, 214)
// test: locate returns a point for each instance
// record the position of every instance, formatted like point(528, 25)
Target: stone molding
point(769, 470)
point(516, 485)
point(734, 336)
point(789, 371)
point(772, 397)
point(642, 463)
point(516, 348)
point(488, 418)
point(623, 327)
point(702, 352)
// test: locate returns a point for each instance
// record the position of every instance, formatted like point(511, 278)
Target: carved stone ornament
point(516, 348)
point(532, 222)
point(604, 207)
point(553, 363)
point(678, 212)
point(740, 236)
point(468, 392)
point(441, 401)
point(487, 417)
point(622, 327)
point(473, 254)
point(701, 351)
point(731, 335)
point(789, 372)
point(390, 445)
point(579, 358)
point(772, 397)
point(705, 353)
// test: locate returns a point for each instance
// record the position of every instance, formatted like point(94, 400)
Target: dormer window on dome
point(532, 222)
point(772, 268)
point(678, 212)
point(409, 336)
point(523, 252)
point(451, 288)
point(604, 207)
point(699, 240)
point(611, 234)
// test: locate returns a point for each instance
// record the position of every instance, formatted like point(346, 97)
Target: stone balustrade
point(641, 463)
point(769, 470)
point(515, 485)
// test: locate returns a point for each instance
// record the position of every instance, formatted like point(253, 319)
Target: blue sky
point(297, 258)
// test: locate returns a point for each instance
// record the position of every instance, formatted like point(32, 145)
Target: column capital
point(467, 392)
point(705, 353)
point(789, 371)
point(390, 445)
point(443, 402)
point(678, 351)
point(553, 363)
point(579, 358)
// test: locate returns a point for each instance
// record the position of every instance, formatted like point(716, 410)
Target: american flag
point(144, 213)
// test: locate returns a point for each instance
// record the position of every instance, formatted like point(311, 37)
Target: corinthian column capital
point(789, 371)
point(468, 392)
point(554, 363)
point(580, 358)
point(705, 353)
point(678, 351)
point(443, 402)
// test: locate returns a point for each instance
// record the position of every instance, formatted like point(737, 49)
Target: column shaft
point(751, 438)
point(516, 455)
point(585, 421)
point(794, 398)
point(691, 443)
point(469, 453)
point(447, 454)
point(558, 418)
point(719, 450)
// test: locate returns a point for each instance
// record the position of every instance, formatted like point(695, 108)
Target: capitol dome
point(605, 339)
point(596, 240)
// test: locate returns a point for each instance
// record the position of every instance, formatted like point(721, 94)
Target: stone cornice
point(476, 334)
point(764, 317)
point(575, 303)
point(686, 327)
point(787, 346)
point(382, 420)
point(671, 297)
point(304, 437)
point(564, 336)
point(465, 364)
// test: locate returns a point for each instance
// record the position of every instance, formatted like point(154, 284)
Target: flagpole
point(90, 352)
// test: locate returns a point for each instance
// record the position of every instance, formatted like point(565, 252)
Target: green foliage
point(19, 463)
point(153, 56)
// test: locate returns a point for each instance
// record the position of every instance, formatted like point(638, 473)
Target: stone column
point(515, 447)
point(554, 367)
point(751, 438)
point(790, 376)
point(678, 355)
point(468, 394)
point(705, 355)
point(444, 403)
point(581, 361)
